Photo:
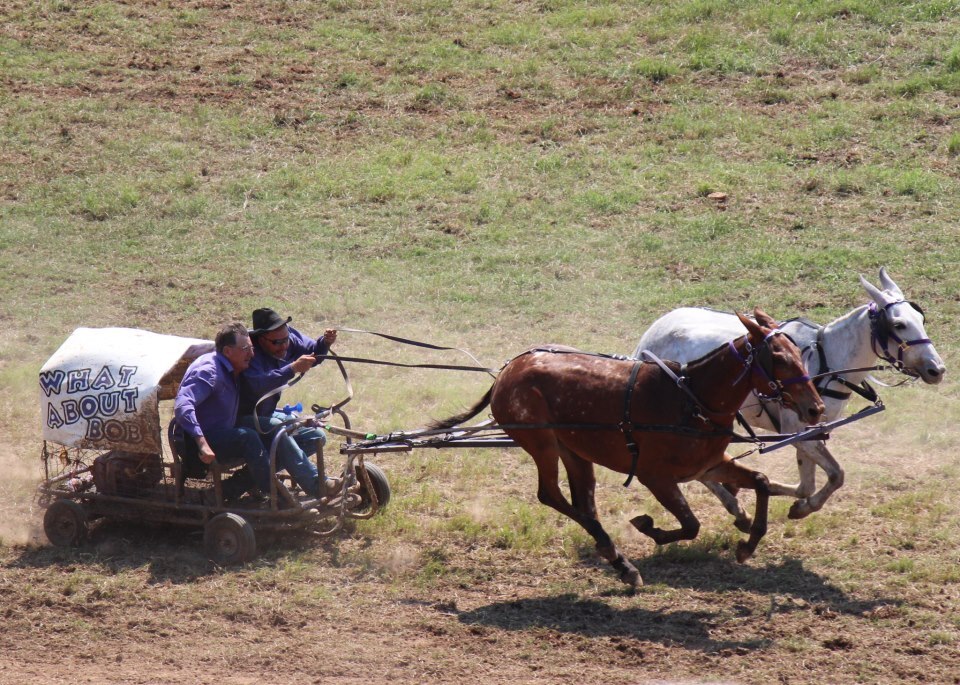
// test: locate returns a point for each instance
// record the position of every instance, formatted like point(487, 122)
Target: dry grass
point(488, 175)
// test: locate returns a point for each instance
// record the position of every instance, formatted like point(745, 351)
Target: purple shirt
point(267, 373)
point(208, 396)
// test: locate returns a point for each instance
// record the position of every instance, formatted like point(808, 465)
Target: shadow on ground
point(789, 585)
point(171, 554)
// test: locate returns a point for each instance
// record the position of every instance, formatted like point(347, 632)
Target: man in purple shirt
point(281, 352)
point(206, 410)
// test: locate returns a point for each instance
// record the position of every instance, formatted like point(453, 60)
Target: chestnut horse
point(561, 404)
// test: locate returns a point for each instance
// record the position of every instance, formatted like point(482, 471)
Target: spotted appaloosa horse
point(889, 327)
point(561, 404)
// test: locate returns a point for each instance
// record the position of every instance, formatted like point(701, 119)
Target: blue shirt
point(267, 373)
point(208, 397)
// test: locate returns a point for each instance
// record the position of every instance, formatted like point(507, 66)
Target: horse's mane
point(699, 361)
point(843, 318)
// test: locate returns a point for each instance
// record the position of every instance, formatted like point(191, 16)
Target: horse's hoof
point(799, 510)
point(643, 523)
point(743, 525)
point(744, 551)
point(631, 577)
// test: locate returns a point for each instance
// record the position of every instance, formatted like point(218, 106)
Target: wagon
point(109, 452)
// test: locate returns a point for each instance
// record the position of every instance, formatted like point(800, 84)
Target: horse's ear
point(753, 328)
point(887, 284)
point(875, 293)
point(763, 318)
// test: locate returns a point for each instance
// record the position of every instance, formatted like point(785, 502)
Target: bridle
point(881, 332)
point(760, 361)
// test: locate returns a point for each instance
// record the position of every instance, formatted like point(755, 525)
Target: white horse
point(889, 327)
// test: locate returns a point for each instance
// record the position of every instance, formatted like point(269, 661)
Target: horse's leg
point(791, 424)
point(669, 495)
point(735, 474)
point(817, 454)
point(807, 468)
point(727, 494)
point(545, 451)
point(741, 519)
point(583, 484)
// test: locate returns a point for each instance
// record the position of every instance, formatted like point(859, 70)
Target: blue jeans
point(294, 451)
point(235, 444)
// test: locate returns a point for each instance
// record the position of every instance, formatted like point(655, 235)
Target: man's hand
point(304, 363)
point(206, 452)
point(330, 336)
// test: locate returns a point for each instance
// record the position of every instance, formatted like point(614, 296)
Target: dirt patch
point(143, 605)
point(865, 591)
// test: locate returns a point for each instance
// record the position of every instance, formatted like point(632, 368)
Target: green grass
point(489, 175)
point(544, 175)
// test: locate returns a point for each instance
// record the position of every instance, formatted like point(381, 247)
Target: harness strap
point(825, 378)
point(626, 426)
point(747, 427)
point(865, 390)
point(824, 368)
point(835, 394)
point(647, 355)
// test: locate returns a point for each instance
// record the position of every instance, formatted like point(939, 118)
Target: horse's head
point(778, 368)
point(898, 334)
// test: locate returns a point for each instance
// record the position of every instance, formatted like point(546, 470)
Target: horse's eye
point(900, 326)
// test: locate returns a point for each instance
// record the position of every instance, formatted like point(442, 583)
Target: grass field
point(488, 175)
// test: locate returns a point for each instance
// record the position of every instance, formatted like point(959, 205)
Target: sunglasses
point(277, 341)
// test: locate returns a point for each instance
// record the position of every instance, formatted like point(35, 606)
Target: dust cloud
point(20, 517)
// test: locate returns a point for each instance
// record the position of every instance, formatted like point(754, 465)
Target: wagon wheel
point(228, 539)
point(381, 488)
point(65, 523)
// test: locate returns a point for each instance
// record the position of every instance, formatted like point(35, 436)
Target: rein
point(415, 343)
point(316, 408)
point(346, 378)
point(381, 362)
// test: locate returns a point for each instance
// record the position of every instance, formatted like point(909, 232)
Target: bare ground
point(852, 595)
point(143, 606)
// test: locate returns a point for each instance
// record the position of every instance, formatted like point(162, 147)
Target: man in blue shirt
point(206, 410)
point(281, 352)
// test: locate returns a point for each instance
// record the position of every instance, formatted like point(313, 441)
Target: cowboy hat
point(265, 319)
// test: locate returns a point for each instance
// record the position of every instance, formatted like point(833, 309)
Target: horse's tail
point(460, 418)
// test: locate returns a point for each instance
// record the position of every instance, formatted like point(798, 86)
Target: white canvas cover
point(102, 388)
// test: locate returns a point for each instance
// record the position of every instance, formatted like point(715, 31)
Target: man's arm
point(260, 378)
point(300, 344)
point(194, 389)
point(206, 452)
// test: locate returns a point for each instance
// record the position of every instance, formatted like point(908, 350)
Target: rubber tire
point(65, 523)
point(228, 539)
point(381, 487)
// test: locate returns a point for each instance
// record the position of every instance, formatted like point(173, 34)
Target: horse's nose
point(933, 374)
point(815, 412)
